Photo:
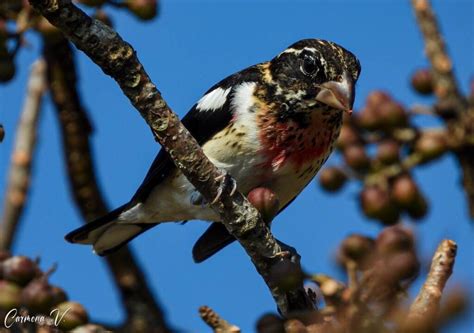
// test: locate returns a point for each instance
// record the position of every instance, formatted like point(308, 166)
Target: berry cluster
point(25, 289)
point(379, 271)
point(380, 145)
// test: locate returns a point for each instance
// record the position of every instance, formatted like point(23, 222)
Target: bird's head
point(314, 72)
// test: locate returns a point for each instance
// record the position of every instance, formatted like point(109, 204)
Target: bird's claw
point(197, 199)
point(226, 180)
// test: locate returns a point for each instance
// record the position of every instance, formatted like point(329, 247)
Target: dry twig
point(426, 305)
point(446, 87)
point(215, 322)
point(19, 176)
point(143, 312)
point(118, 59)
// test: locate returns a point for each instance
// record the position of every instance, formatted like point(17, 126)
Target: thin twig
point(421, 109)
point(19, 176)
point(426, 305)
point(117, 4)
point(143, 312)
point(394, 170)
point(351, 269)
point(215, 321)
point(446, 87)
point(118, 59)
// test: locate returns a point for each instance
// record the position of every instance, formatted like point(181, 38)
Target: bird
point(271, 125)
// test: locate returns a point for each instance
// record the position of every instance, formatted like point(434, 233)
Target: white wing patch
point(213, 100)
point(242, 103)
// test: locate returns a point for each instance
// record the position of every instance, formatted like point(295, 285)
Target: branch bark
point(19, 176)
point(118, 59)
point(459, 117)
point(143, 312)
point(425, 308)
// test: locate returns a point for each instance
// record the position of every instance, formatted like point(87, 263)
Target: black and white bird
point(270, 125)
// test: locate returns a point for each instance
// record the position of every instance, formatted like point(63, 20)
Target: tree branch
point(215, 321)
point(143, 312)
point(19, 176)
point(446, 87)
point(118, 59)
point(458, 117)
point(426, 305)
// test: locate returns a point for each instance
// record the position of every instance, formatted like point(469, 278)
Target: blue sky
point(192, 45)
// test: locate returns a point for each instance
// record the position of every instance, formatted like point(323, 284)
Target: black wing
point(215, 238)
point(202, 124)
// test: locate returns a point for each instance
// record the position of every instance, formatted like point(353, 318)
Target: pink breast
point(286, 143)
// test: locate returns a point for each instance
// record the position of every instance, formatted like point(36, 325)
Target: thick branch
point(426, 305)
point(118, 59)
point(459, 117)
point(143, 312)
point(19, 176)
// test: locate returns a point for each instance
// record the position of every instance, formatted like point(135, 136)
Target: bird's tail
point(109, 232)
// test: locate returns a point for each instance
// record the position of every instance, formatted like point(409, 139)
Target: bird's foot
point(226, 181)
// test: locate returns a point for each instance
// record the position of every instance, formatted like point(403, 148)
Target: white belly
point(171, 200)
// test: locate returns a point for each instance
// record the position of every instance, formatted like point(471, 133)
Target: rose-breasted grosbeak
point(271, 125)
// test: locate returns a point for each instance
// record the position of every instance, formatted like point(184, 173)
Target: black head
point(313, 71)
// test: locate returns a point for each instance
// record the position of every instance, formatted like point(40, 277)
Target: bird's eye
point(309, 66)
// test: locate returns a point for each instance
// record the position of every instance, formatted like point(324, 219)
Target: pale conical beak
point(339, 95)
